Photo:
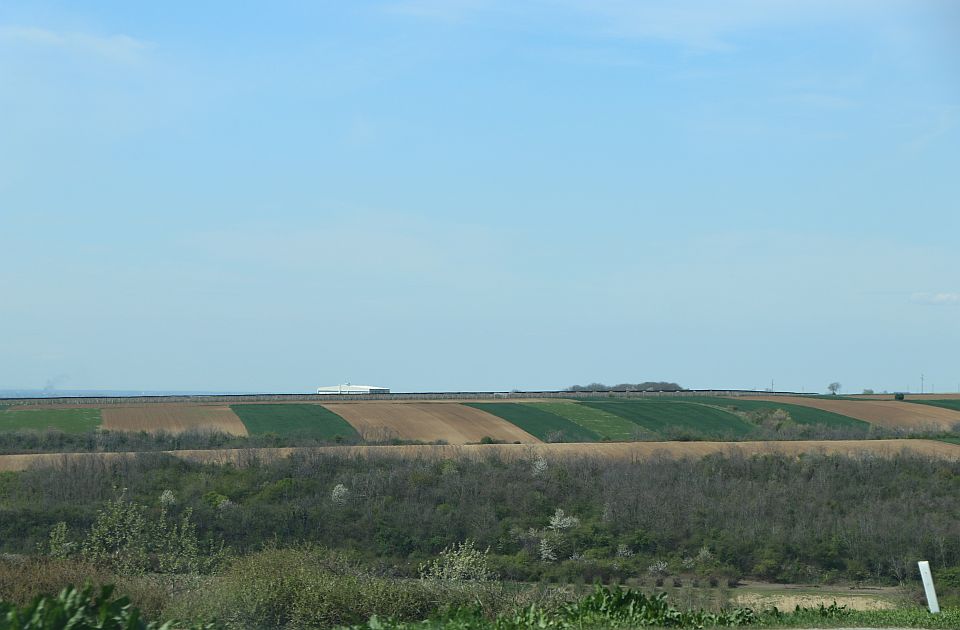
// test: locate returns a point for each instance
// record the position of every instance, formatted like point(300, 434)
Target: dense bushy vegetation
point(816, 518)
point(646, 386)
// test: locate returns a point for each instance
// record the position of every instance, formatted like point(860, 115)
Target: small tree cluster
point(127, 540)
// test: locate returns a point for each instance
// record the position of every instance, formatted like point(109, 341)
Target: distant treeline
point(647, 386)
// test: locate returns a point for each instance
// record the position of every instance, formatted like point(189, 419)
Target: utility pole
point(921, 382)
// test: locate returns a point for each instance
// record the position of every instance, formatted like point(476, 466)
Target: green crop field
point(950, 403)
point(799, 413)
point(538, 422)
point(660, 416)
point(66, 420)
point(294, 419)
point(604, 424)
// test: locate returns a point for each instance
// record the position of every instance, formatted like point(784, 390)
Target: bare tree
point(833, 388)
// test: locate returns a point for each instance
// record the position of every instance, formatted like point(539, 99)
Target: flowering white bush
point(539, 466)
point(658, 568)
point(560, 521)
point(547, 551)
point(168, 498)
point(340, 494)
point(704, 555)
point(624, 551)
point(459, 562)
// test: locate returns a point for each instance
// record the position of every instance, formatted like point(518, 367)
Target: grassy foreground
point(327, 603)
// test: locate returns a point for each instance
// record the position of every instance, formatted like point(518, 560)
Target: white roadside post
point(928, 586)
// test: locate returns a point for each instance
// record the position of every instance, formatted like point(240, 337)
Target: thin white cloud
point(119, 48)
point(936, 299)
point(698, 24)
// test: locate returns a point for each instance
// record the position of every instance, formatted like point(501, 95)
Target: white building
point(353, 389)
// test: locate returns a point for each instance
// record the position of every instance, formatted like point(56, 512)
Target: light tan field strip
point(894, 414)
point(629, 451)
point(428, 422)
point(173, 418)
point(909, 396)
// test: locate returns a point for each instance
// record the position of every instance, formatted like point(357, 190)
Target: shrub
point(312, 587)
point(458, 563)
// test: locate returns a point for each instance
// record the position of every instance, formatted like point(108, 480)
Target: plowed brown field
point(630, 451)
point(173, 418)
point(893, 414)
point(428, 422)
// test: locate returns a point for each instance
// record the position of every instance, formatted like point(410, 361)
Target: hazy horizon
point(479, 195)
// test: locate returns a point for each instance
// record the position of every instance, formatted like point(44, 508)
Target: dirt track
point(893, 414)
point(629, 451)
point(427, 422)
point(173, 418)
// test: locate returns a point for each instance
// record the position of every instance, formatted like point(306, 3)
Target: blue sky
point(470, 194)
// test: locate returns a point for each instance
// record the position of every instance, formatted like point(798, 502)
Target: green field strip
point(948, 403)
point(294, 419)
point(658, 416)
point(66, 420)
point(799, 413)
point(537, 422)
point(606, 425)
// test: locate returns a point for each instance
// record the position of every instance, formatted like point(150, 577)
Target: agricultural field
point(661, 417)
point(545, 425)
point(799, 413)
point(892, 414)
point(66, 420)
point(172, 418)
point(947, 403)
point(452, 423)
point(294, 419)
point(606, 425)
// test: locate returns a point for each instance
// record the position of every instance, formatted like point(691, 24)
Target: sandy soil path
point(428, 422)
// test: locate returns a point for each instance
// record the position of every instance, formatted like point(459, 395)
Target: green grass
point(662, 416)
point(949, 403)
point(606, 425)
point(66, 420)
point(799, 413)
point(294, 419)
point(537, 422)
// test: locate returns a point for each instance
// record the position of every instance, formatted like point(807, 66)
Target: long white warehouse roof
point(353, 389)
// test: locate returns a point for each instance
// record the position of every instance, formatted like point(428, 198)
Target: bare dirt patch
point(789, 601)
point(428, 422)
point(894, 414)
point(172, 418)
